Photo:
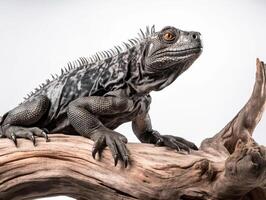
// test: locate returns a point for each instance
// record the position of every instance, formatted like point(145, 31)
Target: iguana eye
point(169, 36)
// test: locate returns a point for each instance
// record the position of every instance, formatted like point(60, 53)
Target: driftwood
point(231, 165)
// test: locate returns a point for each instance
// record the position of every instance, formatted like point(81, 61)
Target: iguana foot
point(14, 132)
point(174, 142)
point(115, 141)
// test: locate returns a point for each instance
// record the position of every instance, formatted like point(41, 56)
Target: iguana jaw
point(180, 53)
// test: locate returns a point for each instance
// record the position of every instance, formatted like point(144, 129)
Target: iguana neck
point(142, 81)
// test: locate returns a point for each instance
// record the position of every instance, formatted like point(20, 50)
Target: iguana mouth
point(179, 52)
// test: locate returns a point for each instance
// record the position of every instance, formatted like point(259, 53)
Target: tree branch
point(231, 165)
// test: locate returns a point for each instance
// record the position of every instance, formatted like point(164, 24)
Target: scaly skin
point(96, 95)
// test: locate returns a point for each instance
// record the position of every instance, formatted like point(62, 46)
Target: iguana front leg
point(142, 128)
point(83, 114)
point(22, 121)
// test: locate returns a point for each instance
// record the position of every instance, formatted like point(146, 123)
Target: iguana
point(95, 95)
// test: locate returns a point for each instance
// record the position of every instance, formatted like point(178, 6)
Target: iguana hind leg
point(20, 121)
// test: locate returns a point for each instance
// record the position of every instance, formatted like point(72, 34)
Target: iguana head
point(172, 49)
point(168, 53)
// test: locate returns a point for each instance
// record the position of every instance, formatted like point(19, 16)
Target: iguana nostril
point(195, 35)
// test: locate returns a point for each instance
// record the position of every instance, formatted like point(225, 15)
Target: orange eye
point(168, 36)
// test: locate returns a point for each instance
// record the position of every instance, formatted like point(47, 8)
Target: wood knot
point(206, 169)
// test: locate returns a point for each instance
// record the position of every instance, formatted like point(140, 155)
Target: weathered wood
point(231, 165)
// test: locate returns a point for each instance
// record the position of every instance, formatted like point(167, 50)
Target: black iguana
point(95, 95)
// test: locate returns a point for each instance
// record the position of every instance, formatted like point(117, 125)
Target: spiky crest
point(85, 61)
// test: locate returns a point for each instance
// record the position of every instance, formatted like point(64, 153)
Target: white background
point(38, 37)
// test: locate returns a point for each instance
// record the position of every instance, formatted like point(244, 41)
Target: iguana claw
point(14, 132)
point(116, 143)
point(174, 142)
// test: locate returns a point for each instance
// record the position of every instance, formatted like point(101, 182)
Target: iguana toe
point(14, 132)
point(13, 137)
point(98, 146)
point(187, 143)
point(171, 141)
point(118, 149)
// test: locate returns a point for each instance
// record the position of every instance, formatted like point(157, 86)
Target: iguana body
point(94, 96)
